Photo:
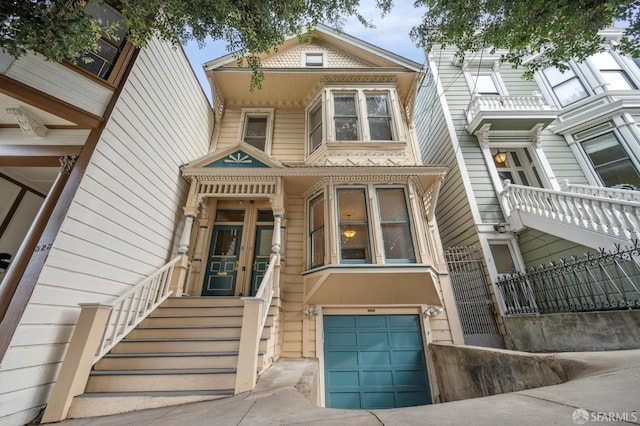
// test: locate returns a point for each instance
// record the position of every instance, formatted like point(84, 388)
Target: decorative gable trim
point(238, 158)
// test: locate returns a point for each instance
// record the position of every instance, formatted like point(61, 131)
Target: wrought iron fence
point(607, 280)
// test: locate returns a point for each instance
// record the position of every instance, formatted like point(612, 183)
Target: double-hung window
point(353, 225)
point(256, 128)
point(565, 85)
point(316, 231)
point(345, 117)
point(395, 226)
point(610, 161)
point(615, 77)
point(379, 117)
point(315, 126)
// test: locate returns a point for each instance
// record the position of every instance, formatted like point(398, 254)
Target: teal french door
point(222, 262)
point(261, 256)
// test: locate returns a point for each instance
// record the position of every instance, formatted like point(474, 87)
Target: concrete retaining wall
point(574, 332)
point(471, 371)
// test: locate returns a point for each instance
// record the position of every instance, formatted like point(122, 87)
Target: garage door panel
point(344, 399)
point(342, 359)
point(372, 321)
point(373, 340)
point(378, 399)
point(406, 339)
point(342, 339)
point(384, 364)
point(408, 357)
point(377, 378)
point(375, 358)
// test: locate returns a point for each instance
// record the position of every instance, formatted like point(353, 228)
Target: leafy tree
point(61, 29)
point(559, 29)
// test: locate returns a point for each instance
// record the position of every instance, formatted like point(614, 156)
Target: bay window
point(356, 227)
point(352, 115)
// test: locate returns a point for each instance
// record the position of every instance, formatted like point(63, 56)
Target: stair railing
point(98, 328)
point(254, 317)
point(135, 305)
point(613, 217)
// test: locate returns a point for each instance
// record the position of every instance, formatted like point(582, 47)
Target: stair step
point(222, 392)
point(192, 321)
point(142, 361)
point(161, 380)
point(181, 311)
point(189, 332)
point(181, 345)
point(190, 301)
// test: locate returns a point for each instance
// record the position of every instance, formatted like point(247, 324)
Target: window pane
point(380, 129)
point(611, 161)
point(346, 129)
point(392, 205)
point(616, 80)
point(265, 238)
point(265, 215)
point(485, 85)
point(377, 106)
point(316, 225)
point(314, 60)
point(315, 127)
point(502, 258)
point(230, 216)
point(555, 76)
point(570, 91)
point(604, 60)
point(353, 226)
point(344, 105)
point(397, 241)
point(226, 242)
point(255, 132)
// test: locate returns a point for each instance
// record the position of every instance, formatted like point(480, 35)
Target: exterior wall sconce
point(432, 311)
point(311, 311)
point(500, 157)
point(500, 227)
point(349, 233)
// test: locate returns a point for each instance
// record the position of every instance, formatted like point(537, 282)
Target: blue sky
point(390, 33)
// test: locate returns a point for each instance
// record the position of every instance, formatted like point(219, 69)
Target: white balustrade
point(131, 308)
point(506, 103)
point(615, 217)
point(598, 191)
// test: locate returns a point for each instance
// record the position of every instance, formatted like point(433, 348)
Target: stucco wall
point(572, 332)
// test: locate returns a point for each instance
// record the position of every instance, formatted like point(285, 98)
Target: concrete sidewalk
point(605, 384)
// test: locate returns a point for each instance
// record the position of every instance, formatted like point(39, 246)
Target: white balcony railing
point(598, 191)
point(608, 217)
point(480, 103)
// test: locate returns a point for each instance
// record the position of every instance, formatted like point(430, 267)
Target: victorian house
point(540, 170)
point(297, 220)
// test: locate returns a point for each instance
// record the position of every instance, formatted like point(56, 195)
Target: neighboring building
point(564, 141)
point(99, 149)
point(319, 171)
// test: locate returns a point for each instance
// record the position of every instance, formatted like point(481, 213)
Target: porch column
point(30, 243)
point(198, 252)
point(181, 269)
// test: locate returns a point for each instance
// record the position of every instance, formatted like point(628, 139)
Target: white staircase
point(185, 351)
point(592, 216)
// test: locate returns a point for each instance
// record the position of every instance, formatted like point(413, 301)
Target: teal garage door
point(374, 361)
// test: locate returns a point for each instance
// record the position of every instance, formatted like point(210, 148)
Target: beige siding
point(295, 58)
point(292, 290)
point(122, 225)
point(288, 132)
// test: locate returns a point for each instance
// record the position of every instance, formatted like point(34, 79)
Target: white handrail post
point(78, 360)
point(247, 375)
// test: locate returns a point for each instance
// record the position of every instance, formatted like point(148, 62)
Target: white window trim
point(494, 72)
point(623, 65)
point(575, 144)
point(321, 54)
point(550, 95)
point(255, 112)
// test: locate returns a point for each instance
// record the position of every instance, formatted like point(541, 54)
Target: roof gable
point(237, 155)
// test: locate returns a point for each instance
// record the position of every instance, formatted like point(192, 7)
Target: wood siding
point(122, 225)
point(61, 82)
